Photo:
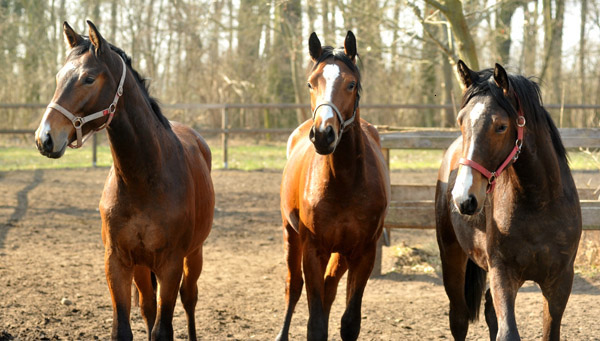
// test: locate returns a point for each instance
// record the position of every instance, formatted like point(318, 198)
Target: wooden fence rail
point(225, 131)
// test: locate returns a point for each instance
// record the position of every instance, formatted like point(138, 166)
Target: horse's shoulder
point(301, 131)
point(450, 159)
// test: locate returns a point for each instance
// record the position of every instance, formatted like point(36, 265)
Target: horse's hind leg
point(556, 295)
point(294, 282)
point(336, 268)
point(192, 267)
point(359, 270)
point(143, 282)
point(119, 278)
point(454, 262)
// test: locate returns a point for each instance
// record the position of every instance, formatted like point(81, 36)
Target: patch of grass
point(239, 157)
point(244, 156)
point(251, 157)
point(23, 158)
point(415, 159)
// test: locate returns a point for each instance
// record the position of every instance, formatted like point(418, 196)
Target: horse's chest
point(355, 216)
point(142, 237)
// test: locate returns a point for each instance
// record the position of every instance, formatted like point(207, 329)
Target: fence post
point(224, 134)
point(94, 150)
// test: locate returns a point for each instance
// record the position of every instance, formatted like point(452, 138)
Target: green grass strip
point(244, 157)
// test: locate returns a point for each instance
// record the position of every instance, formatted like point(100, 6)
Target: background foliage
point(255, 51)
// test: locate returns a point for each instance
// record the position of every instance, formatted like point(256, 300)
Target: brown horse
point(334, 194)
point(505, 204)
point(158, 200)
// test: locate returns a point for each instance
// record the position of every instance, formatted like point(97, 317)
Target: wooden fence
point(225, 130)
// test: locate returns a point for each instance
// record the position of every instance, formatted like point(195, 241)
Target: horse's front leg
point(556, 294)
point(359, 270)
point(314, 262)
point(169, 278)
point(119, 277)
point(503, 287)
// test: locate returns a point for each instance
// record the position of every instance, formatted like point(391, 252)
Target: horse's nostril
point(311, 134)
point(47, 143)
point(330, 135)
point(469, 206)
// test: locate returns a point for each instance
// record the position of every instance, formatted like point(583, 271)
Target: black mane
point(142, 82)
point(339, 54)
point(529, 99)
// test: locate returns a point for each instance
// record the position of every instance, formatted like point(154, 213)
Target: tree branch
point(435, 4)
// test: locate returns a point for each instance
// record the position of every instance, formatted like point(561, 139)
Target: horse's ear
point(350, 46)
point(72, 39)
point(501, 78)
point(467, 76)
point(96, 38)
point(314, 47)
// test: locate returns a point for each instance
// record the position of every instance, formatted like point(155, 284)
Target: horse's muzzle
point(45, 144)
point(468, 206)
point(324, 141)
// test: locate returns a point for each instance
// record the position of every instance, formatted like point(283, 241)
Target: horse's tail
point(474, 286)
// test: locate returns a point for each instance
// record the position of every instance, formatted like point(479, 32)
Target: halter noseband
point(512, 157)
point(343, 124)
point(78, 122)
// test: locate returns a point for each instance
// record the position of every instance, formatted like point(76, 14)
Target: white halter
point(78, 122)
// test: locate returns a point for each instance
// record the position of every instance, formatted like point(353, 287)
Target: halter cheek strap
point(512, 157)
point(78, 122)
point(343, 124)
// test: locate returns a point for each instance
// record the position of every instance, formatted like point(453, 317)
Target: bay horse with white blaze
point(506, 205)
point(334, 194)
point(158, 200)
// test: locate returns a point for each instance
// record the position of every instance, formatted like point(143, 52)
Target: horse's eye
point(351, 86)
point(502, 128)
point(309, 85)
point(88, 80)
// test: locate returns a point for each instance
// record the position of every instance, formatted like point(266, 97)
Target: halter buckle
point(78, 122)
point(492, 178)
point(120, 91)
point(521, 121)
point(112, 108)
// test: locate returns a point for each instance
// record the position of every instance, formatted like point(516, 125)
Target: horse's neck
point(346, 163)
point(137, 138)
point(538, 168)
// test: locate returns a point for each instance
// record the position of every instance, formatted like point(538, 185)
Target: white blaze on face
point(331, 72)
point(464, 178)
point(44, 127)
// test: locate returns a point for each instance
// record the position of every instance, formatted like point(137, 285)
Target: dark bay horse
point(506, 205)
point(334, 194)
point(158, 200)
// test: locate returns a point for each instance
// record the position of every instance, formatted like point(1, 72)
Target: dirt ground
point(51, 255)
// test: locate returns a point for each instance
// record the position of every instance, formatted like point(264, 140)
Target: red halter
point(512, 157)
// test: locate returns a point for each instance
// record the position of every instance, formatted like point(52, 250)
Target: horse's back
point(193, 141)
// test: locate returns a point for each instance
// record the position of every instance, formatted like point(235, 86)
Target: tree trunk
point(582, 89)
point(503, 24)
